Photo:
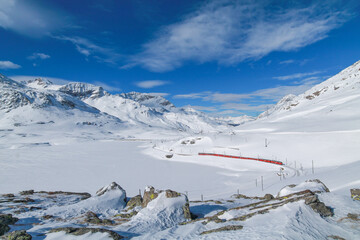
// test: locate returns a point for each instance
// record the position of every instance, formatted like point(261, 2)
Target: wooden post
point(202, 198)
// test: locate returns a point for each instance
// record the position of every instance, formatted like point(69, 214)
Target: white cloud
point(8, 65)
point(296, 75)
point(151, 83)
point(287, 61)
point(191, 95)
point(30, 18)
point(87, 48)
point(203, 108)
point(158, 94)
point(229, 32)
point(41, 56)
point(107, 87)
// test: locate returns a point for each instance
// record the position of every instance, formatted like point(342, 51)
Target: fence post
point(312, 163)
point(202, 198)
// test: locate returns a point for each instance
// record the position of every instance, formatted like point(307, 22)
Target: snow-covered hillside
point(140, 111)
point(78, 137)
point(332, 101)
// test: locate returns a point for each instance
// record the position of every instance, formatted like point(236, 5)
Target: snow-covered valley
point(78, 137)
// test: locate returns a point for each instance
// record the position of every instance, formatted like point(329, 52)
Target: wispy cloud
point(8, 65)
point(229, 32)
point(107, 87)
point(287, 61)
point(30, 18)
point(274, 94)
point(151, 83)
point(158, 94)
point(88, 48)
point(41, 56)
point(296, 75)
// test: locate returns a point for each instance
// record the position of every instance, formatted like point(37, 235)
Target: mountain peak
point(83, 90)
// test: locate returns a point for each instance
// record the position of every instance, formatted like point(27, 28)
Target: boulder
point(318, 206)
point(355, 194)
point(149, 194)
point(5, 221)
point(27, 192)
point(134, 202)
point(17, 235)
point(165, 209)
point(92, 218)
point(314, 185)
point(268, 196)
point(113, 186)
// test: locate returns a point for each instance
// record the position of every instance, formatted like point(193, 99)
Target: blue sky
point(218, 56)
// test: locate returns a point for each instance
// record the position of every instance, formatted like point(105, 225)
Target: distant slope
point(332, 104)
point(133, 110)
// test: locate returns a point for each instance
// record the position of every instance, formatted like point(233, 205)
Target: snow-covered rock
point(313, 185)
point(108, 200)
point(165, 211)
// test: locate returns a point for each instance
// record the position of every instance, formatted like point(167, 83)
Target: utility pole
point(262, 184)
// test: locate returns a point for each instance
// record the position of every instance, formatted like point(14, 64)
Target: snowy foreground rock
point(165, 214)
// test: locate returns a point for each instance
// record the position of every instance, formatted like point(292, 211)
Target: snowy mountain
point(327, 99)
point(133, 110)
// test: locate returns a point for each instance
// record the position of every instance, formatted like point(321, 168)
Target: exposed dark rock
point(17, 235)
point(24, 200)
point(134, 202)
point(172, 194)
point(47, 217)
point(318, 206)
point(226, 228)
point(355, 194)
point(127, 215)
point(27, 192)
point(84, 195)
point(82, 231)
point(149, 194)
point(187, 213)
point(268, 196)
point(5, 221)
point(335, 237)
point(8, 195)
point(92, 218)
point(353, 216)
